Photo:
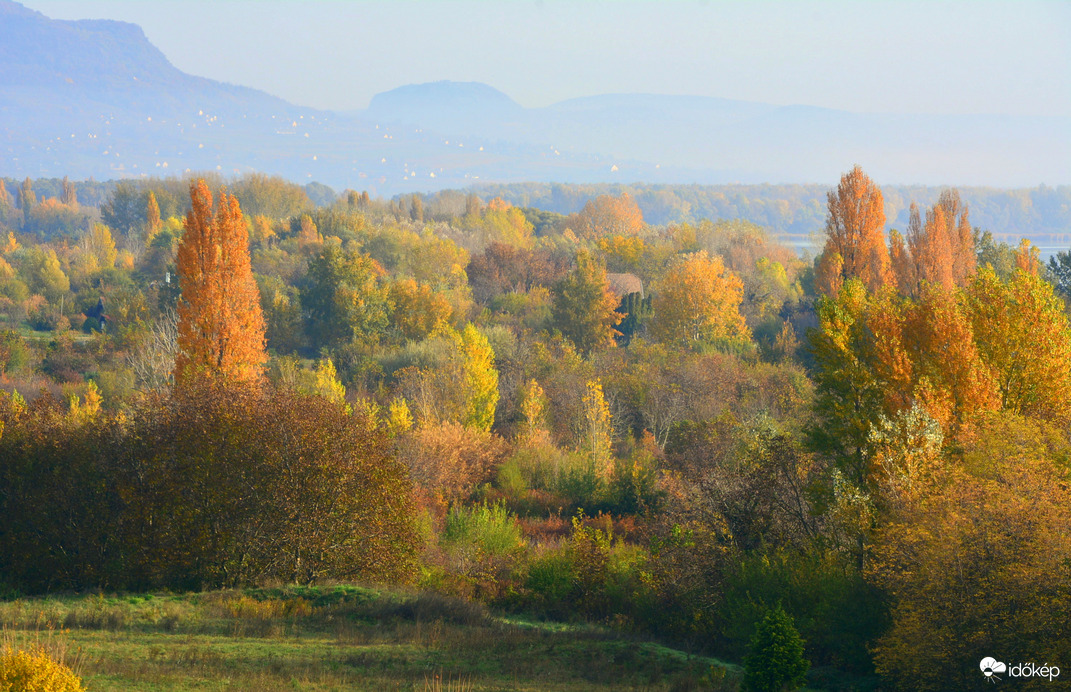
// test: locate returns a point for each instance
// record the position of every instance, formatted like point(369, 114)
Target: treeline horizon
point(1041, 214)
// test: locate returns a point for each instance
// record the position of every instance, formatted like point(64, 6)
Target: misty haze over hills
point(96, 98)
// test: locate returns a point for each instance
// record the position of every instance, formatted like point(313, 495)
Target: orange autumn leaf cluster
point(939, 252)
point(958, 353)
point(607, 215)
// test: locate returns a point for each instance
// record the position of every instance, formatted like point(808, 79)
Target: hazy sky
point(908, 57)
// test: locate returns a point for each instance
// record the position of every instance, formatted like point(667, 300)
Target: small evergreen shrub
point(776, 660)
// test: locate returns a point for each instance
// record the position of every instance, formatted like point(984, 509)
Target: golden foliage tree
point(979, 563)
point(954, 383)
point(1027, 257)
point(533, 408)
point(964, 258)
point(698, 301)
point(99, 243)
point(855, 231)
point(501, 222)
point(221, 327)
point(153, 223)
point(327, 384)
point(1024, 336)
point(308, 237)
point(418, 310)
point(263, 233)
point(595, 438)
point(608, 215)
point(481, 378)
point(901, 263)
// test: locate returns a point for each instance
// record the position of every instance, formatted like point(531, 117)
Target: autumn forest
point(845, 469)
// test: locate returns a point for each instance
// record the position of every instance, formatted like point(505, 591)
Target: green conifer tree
point(775, 661)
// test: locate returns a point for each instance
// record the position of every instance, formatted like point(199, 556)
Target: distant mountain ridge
point(96, 98)
point(97, 58)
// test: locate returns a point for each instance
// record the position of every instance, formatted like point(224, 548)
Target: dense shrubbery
point(215, 486)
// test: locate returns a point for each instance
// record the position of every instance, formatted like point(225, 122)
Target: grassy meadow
point(337, 638)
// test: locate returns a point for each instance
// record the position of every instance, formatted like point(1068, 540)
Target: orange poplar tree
point(221, 327)
point(855, 234)
point(941, 252)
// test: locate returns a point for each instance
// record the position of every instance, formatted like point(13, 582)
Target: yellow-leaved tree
point(698, 301)
point(220, 327)
point(596, 431)
point(153, 223)
point(99, 243)
point(1024, 336)
point(979, 560)
point(533, 408)
point(481, 378)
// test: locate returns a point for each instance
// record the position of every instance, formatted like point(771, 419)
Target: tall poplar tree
point(481, 377)
point(69, 196)
point(941, 251)
point(855, 232)
point(221, 328)
point(27, 199)
point(153, 223)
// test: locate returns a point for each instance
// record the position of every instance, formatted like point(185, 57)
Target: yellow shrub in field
point(35, 671)
point(250, 608)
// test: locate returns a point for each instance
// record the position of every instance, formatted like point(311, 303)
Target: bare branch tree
point(154, 360)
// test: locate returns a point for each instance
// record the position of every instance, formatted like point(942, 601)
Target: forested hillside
point(578, 411)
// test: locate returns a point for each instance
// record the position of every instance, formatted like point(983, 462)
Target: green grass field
point(338, 638)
